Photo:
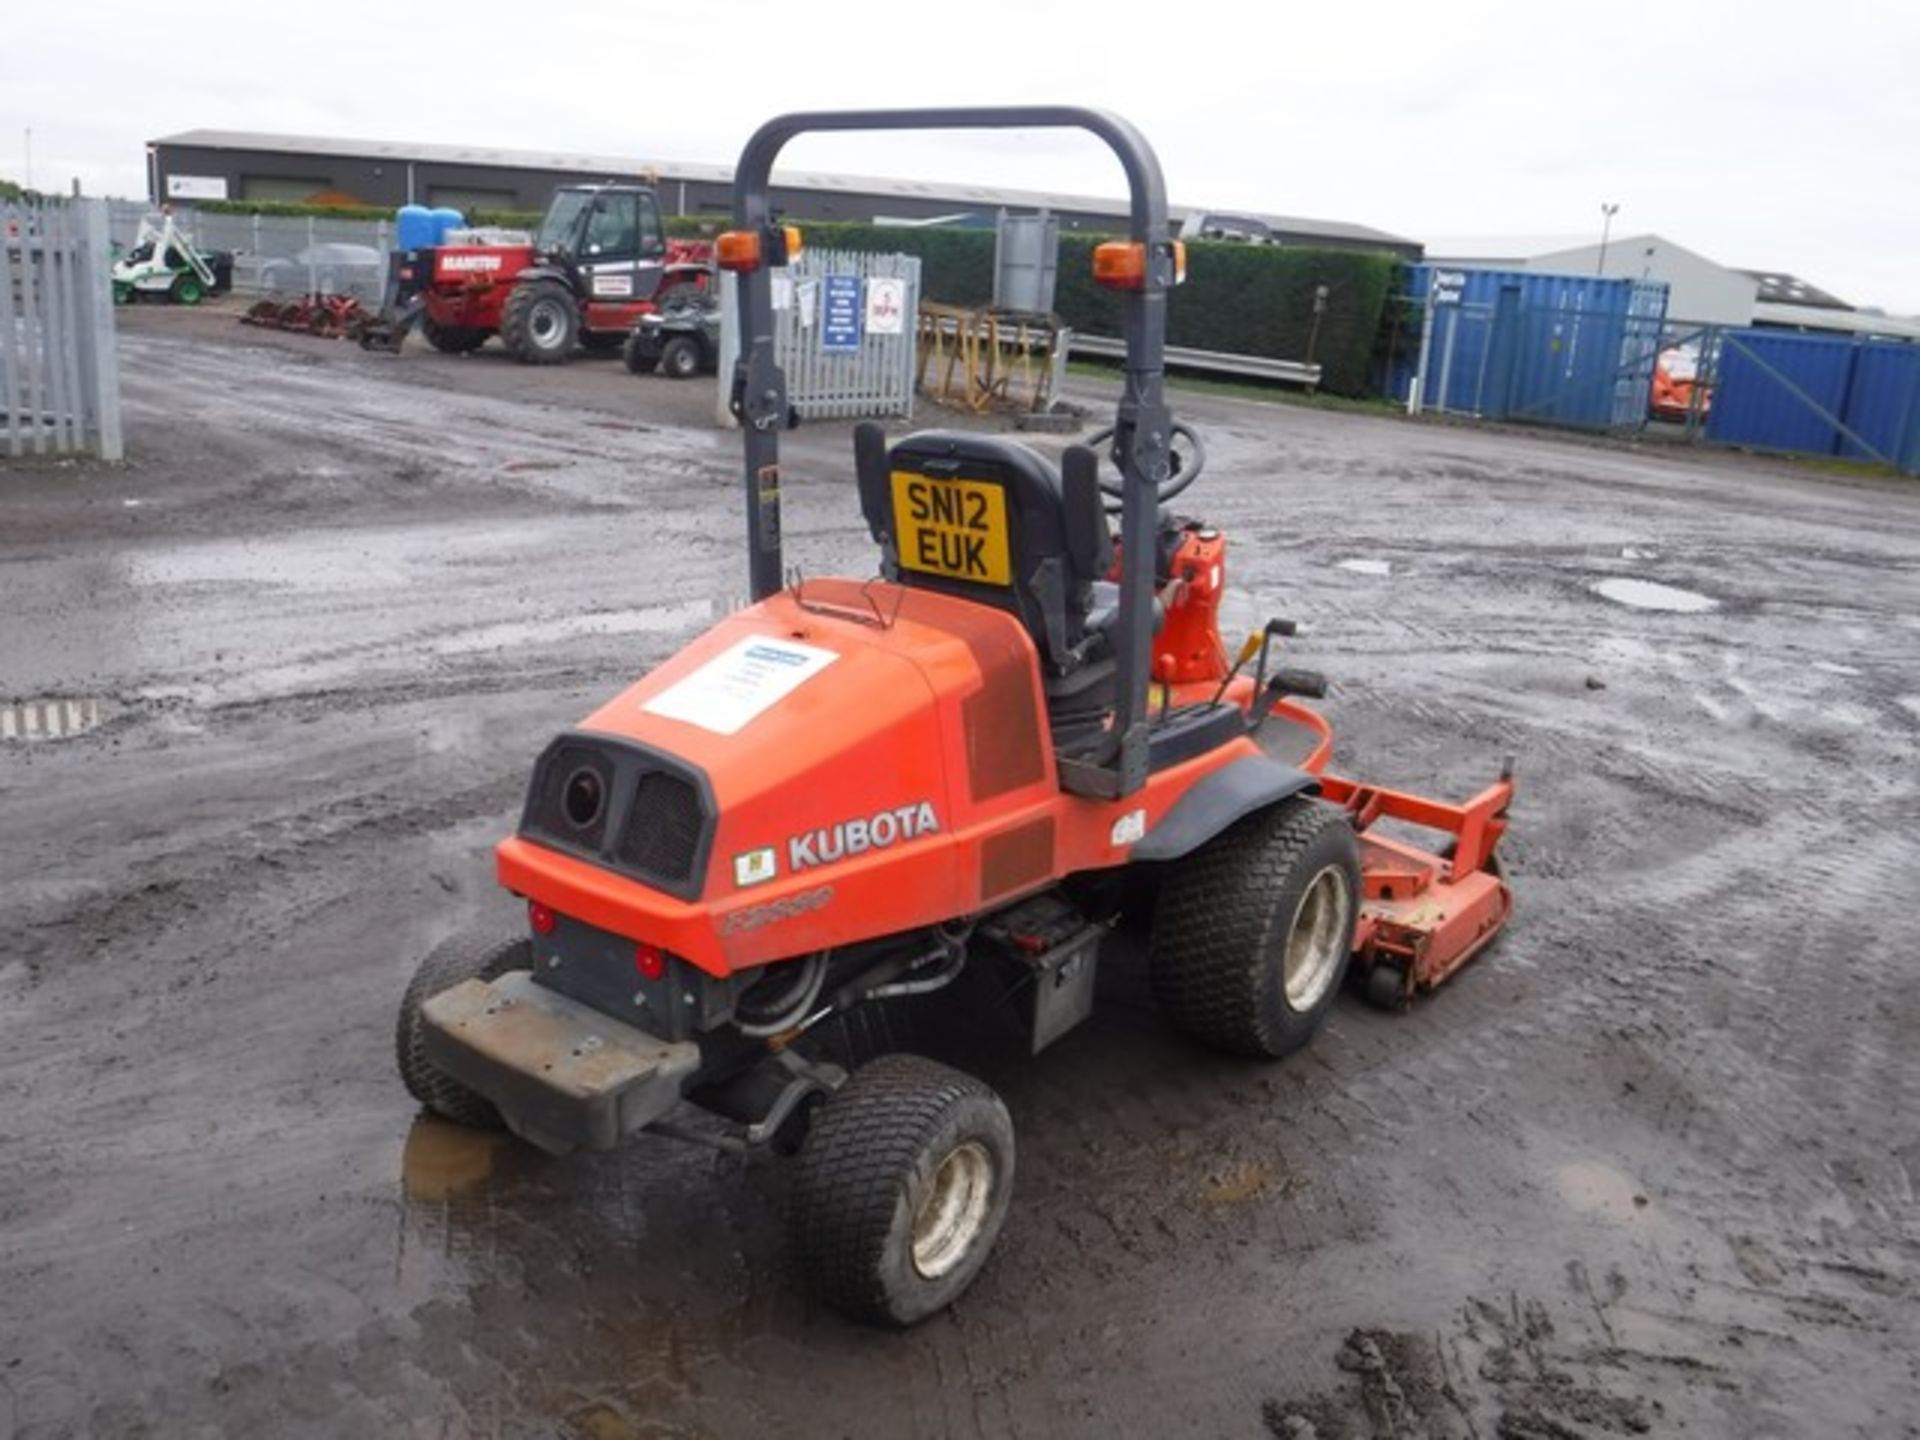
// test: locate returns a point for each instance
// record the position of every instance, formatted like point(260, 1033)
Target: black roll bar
point(1141, 422)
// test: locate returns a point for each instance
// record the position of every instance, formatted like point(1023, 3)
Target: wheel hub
point(953, 1211)
point(1318, 938)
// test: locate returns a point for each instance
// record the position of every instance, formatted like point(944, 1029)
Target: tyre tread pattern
point(1212, 941)
point(514, 333)
point(847, 1183)
point(469, 955)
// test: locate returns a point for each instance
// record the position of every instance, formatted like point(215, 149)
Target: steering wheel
point(1185, 469)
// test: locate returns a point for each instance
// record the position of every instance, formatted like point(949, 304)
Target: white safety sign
point(886, 305)
point(740, 682)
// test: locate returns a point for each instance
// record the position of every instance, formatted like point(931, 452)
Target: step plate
point(562, 1075)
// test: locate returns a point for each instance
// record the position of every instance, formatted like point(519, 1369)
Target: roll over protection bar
point(1141, 422)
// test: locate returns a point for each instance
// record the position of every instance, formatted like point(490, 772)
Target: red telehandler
point(598, 262)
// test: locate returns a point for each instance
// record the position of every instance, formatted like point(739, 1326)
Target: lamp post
point(1608, 209)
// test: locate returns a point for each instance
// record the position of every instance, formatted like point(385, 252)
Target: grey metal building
point(241, 165)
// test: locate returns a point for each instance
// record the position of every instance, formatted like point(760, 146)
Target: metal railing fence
point(59, 366)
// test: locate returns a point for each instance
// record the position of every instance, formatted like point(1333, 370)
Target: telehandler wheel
point(900, 1190)
point(1254, 930)
point(540, 322)
point(680, 358)
point(638, 361)
point(452, 339)
point(477, 954)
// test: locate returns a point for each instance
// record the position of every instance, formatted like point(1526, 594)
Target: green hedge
point(1243, 299)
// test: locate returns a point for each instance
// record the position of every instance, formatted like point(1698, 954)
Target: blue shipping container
point(1777, 390)
point(1519, 344)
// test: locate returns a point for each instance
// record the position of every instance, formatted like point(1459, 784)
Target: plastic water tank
point(445, 219)
point(413, 228)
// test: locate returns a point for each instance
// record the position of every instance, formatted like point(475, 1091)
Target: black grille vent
point(664, 827)
point(549, 802)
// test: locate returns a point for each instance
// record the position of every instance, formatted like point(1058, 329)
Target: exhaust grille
point(626, 806)
point(664, 826)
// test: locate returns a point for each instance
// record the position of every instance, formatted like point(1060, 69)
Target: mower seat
point(991, 521)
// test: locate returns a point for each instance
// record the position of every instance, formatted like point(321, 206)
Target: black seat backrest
point(988, 520)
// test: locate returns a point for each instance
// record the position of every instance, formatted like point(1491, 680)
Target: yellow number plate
point(953, 528)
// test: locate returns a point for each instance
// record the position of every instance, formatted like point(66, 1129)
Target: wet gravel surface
point(1647, 1167)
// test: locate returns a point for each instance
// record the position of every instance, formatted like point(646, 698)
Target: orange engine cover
point(879, 760)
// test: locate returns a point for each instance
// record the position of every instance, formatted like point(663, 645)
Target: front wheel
point(187, 290)
point(1254, 930)
point(901, 1190)
point(540, 322)
point(680, 358)
point(639, 356)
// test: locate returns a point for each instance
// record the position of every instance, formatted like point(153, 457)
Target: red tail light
point(540, 917)
point(650, 961)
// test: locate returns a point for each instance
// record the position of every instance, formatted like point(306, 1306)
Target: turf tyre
point(866, 1208)
point(1227, 914)
point(470, 955)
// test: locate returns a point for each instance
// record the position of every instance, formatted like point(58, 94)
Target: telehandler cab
point(855, 792)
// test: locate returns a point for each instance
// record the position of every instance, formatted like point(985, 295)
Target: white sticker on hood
point(740, 682)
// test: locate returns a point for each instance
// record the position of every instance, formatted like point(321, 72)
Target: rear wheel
point(1254, 930)
point(122, 293)
point(452, 339)
point(540, 322)
point(901, 1189)
point(469, 955)
point(680, 357)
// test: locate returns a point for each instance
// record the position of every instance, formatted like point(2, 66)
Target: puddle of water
point(1634, 552)
point(1649, 595)
point(1596, 1189)
point(1365, 567)
point(441, 1160)
point(52, 718)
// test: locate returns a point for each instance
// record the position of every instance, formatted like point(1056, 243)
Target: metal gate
point(845, 343)
point(59, 369)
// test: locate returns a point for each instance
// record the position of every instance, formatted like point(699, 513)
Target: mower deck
point(1424, 913)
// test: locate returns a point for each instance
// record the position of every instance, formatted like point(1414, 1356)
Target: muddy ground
point(1648, 1167)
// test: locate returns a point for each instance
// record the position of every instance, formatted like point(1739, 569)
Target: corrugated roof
point(400, 151)
point(1777, 287)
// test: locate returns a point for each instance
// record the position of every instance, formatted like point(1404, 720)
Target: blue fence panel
point(1884, 406)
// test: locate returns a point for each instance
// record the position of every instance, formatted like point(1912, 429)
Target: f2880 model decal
point(855, 837)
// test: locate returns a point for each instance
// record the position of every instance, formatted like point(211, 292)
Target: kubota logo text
point(855, 837)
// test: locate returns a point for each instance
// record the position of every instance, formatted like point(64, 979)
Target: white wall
point(1698, 288)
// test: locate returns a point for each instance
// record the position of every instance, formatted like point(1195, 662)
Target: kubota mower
point(869, 793)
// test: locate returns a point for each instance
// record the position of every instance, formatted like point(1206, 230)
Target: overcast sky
point(1762, 133)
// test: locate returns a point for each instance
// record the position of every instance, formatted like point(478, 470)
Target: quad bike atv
point(858, 790)
point(680, 341)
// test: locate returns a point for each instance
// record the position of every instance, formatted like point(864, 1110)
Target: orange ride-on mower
point(856, 794)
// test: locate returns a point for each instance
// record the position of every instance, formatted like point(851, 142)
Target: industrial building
point(1700, 291)
point(237, 165)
